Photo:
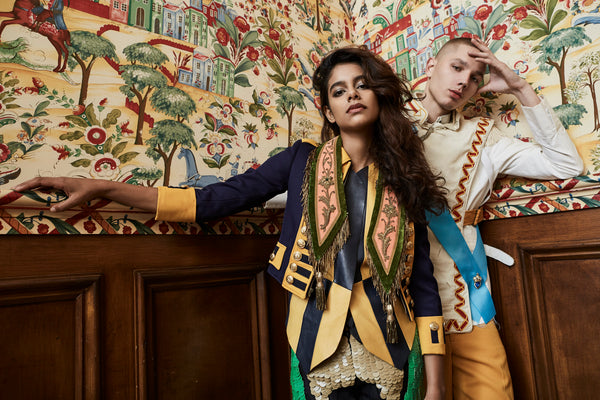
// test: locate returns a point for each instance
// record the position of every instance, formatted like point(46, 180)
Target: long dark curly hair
point(395, 146)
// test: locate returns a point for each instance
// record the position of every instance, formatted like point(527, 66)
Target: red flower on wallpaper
point(506, 46)
point(315, 58)
point(256, 70)
point(163, 228)
point(520, 13)
point(104, 164)
point(124, 128)
point(252, 54)
point(499, 31)
point(63, 153)
point(43, 229)
point(223, 37)
point(103, 102)
point(274, 34)
point(4, 152)
point(127, 230)
point(37, 82)
point(241, 24)
point(269, 52)
point(288, 52)
point(483, 12)
point(96, 135)
point(544, 207)
point(78, 109)
point(89, 226)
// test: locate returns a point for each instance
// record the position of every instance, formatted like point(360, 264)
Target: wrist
point(526, 95)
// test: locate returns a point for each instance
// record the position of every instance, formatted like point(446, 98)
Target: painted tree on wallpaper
point(170, 134)
point(101, 137)
point(584, 76)
point(542, 18)
point(85, 50)
point(313, 18)
point(142, 78)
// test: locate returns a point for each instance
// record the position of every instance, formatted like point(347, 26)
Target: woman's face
point(353, 106)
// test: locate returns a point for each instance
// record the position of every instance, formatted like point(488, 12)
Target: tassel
point(320, 291)
point(391, 325)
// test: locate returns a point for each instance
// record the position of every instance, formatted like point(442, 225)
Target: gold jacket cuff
point(431, 334)
point(176, 204)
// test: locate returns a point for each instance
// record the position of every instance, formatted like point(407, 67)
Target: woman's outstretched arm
point(82, 190)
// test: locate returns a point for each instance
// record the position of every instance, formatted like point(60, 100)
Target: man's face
point(454, 78)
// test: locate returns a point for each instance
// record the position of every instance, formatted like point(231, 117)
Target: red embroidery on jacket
point(471, 157)
point(460, 287)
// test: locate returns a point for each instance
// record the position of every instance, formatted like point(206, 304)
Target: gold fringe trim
point(388, 298)
point(322, 265)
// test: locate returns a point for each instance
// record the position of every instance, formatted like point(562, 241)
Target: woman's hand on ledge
point(81, 190)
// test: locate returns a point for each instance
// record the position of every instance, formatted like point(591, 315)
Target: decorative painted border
point(28, 214)
point(519, 198)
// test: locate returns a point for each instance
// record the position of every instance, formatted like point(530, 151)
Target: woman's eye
point(337, 93)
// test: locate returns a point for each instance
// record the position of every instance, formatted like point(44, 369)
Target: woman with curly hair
point(353, 251)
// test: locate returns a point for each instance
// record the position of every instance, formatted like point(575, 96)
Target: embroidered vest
point(455, 154)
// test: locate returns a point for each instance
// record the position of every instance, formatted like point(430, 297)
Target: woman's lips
point(355, 108)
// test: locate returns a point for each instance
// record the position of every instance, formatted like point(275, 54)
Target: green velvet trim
point(340, 201)
point(296, 379)
point(414, 387)
point(387, 280)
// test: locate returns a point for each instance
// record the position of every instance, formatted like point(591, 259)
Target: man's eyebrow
point(459, 60)
point(463, 63)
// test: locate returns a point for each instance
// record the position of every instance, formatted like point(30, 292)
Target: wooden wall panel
point(49, 341)
point(200, 333)
point(548, 302)
point(140, 317)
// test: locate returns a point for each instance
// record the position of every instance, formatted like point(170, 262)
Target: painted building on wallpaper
point(173, 22)
point(119, 10)
point(439, 33)
point(139, 13)
point(399, 43)
point(196, 25)
point(224, 73)
point(157, 16)
point(201, 74)
point(213, 11)
point(423, 55)
point(396, 43)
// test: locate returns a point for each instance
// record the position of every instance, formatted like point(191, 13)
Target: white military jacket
point(470, 154)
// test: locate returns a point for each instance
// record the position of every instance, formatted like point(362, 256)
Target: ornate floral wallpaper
point(553, 44)
point(156, 92)
point(153, 92)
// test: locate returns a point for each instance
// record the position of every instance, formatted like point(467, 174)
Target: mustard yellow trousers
point(476, 367)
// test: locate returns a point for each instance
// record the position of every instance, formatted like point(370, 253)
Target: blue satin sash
point(471, 265)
